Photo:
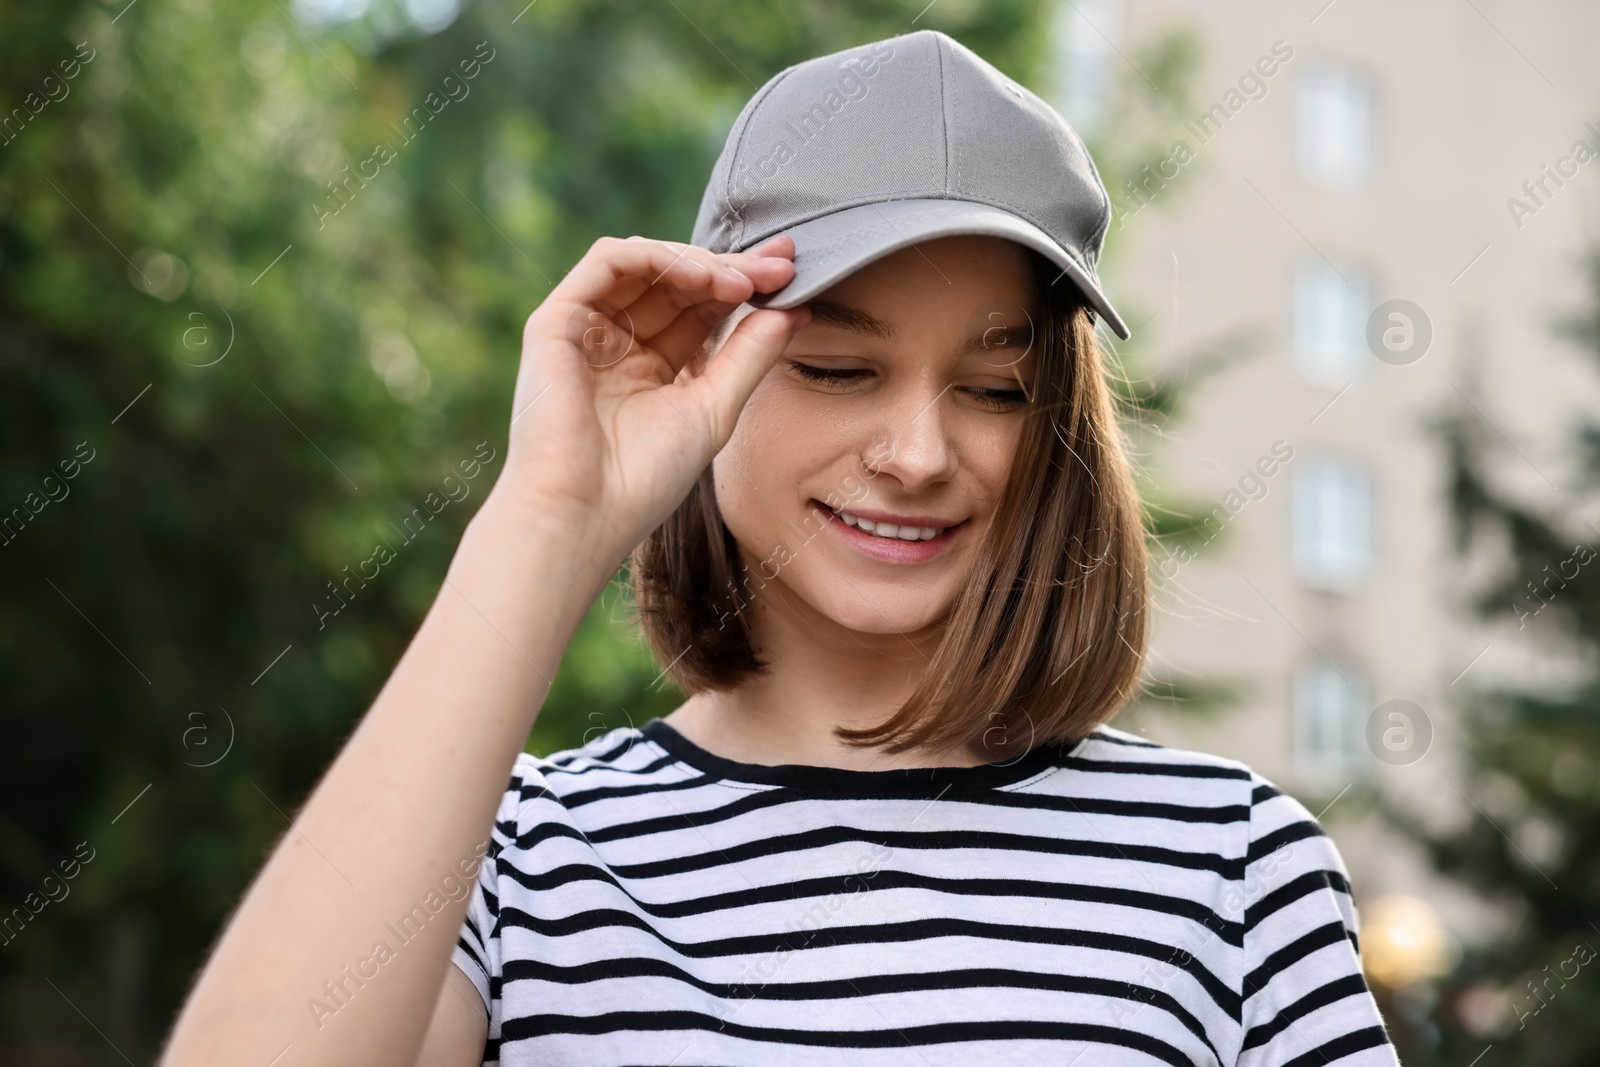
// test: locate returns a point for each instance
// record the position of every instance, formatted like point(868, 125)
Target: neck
point(821, 676)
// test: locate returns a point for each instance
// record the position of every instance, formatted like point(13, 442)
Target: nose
point(914, 443)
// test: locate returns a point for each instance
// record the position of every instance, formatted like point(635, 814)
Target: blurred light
point(322, 12)
point(158, 273)
point(431, 16)
point(1081, 77)
point(264, 49)
point(395, 361)
point(1484, 1009)
point(1403, 941)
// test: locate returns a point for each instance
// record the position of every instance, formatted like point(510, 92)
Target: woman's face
point(899, 405)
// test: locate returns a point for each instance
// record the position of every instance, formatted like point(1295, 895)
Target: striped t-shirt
point(1106, 902)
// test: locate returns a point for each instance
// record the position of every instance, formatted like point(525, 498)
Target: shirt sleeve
point(477, 950)
point(1306, 1000)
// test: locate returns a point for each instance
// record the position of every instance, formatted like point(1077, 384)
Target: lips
point(894, 538)
point(902, 531)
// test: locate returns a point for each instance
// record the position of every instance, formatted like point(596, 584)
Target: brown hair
point(1047, 639)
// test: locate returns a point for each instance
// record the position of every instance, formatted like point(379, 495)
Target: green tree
point(1531, 760)
point(269, 308)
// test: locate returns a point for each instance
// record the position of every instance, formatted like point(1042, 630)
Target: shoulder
point(1110, 750)
point(618, 761)
point(1118, 751)
point(1270, 823)
point(1164, 771)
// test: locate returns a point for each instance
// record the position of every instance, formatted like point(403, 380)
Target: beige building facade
point(1381, 207)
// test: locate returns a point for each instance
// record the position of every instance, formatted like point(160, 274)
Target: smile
point(889, 529)
point(907, 539)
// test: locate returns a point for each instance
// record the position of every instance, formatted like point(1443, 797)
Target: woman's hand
point(613, 417)
point(613, 421)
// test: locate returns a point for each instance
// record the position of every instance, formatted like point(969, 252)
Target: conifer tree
point(1530, 754)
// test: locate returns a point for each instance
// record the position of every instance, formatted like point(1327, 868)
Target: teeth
point(889, 529)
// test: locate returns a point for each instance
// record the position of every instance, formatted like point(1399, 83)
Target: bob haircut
point(1047, 639)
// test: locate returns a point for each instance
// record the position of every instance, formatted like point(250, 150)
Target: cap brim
point(830, 248)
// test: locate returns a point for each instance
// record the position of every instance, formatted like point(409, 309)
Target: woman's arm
point(606, 438)
point(460, 1025)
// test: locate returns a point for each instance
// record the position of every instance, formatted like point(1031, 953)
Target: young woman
point(883, 532)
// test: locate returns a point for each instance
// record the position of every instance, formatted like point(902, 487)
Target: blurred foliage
point(1531, 764)
point(278, 307)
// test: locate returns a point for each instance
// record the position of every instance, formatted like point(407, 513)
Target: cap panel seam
point(733, 156)
point(1098, 237)
point(944, 112)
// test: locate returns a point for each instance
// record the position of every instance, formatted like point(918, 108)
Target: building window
point(1082, 72)
point(1330, 705)
point(1331, 306)
point(1331, 523)
point(1333, 125)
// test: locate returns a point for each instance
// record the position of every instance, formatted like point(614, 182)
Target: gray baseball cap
point(870, 150)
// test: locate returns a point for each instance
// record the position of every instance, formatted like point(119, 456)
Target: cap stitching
point(944, 112)
point(733, 156)
point(835, 207)
point(1100, 231)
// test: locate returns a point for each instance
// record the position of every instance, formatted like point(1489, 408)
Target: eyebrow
point(846, 317)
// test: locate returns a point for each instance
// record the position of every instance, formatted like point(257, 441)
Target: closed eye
point(999, 398)
point(994, 399)
point(826, 374)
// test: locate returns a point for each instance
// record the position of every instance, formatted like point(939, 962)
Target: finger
point(683, 338)
point(769, 265)
point(661, 308)
point(685, 335)
point(653, 307)
point(614, 272)
point(781, 245)
point(722, 389)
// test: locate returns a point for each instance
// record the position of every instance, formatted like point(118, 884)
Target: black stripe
point(1351, 985)
point(915, 782)
point(563, 760)
point(1327, 934)
point(655, 764)
point(1232, 869)
point(533, 1026)
point(616, 969)
point(1130, 742)
point(578, 798)
point(1171, 770)
point(1300, 887)
point(1340, 1047)
point(1264, 792)
point(1221, 815)
point(808, 888)
point(531, 790)
point(1023, 803)
point(1225, 998)
point(930, 840)
point(1266, 845)
point(472, 953)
